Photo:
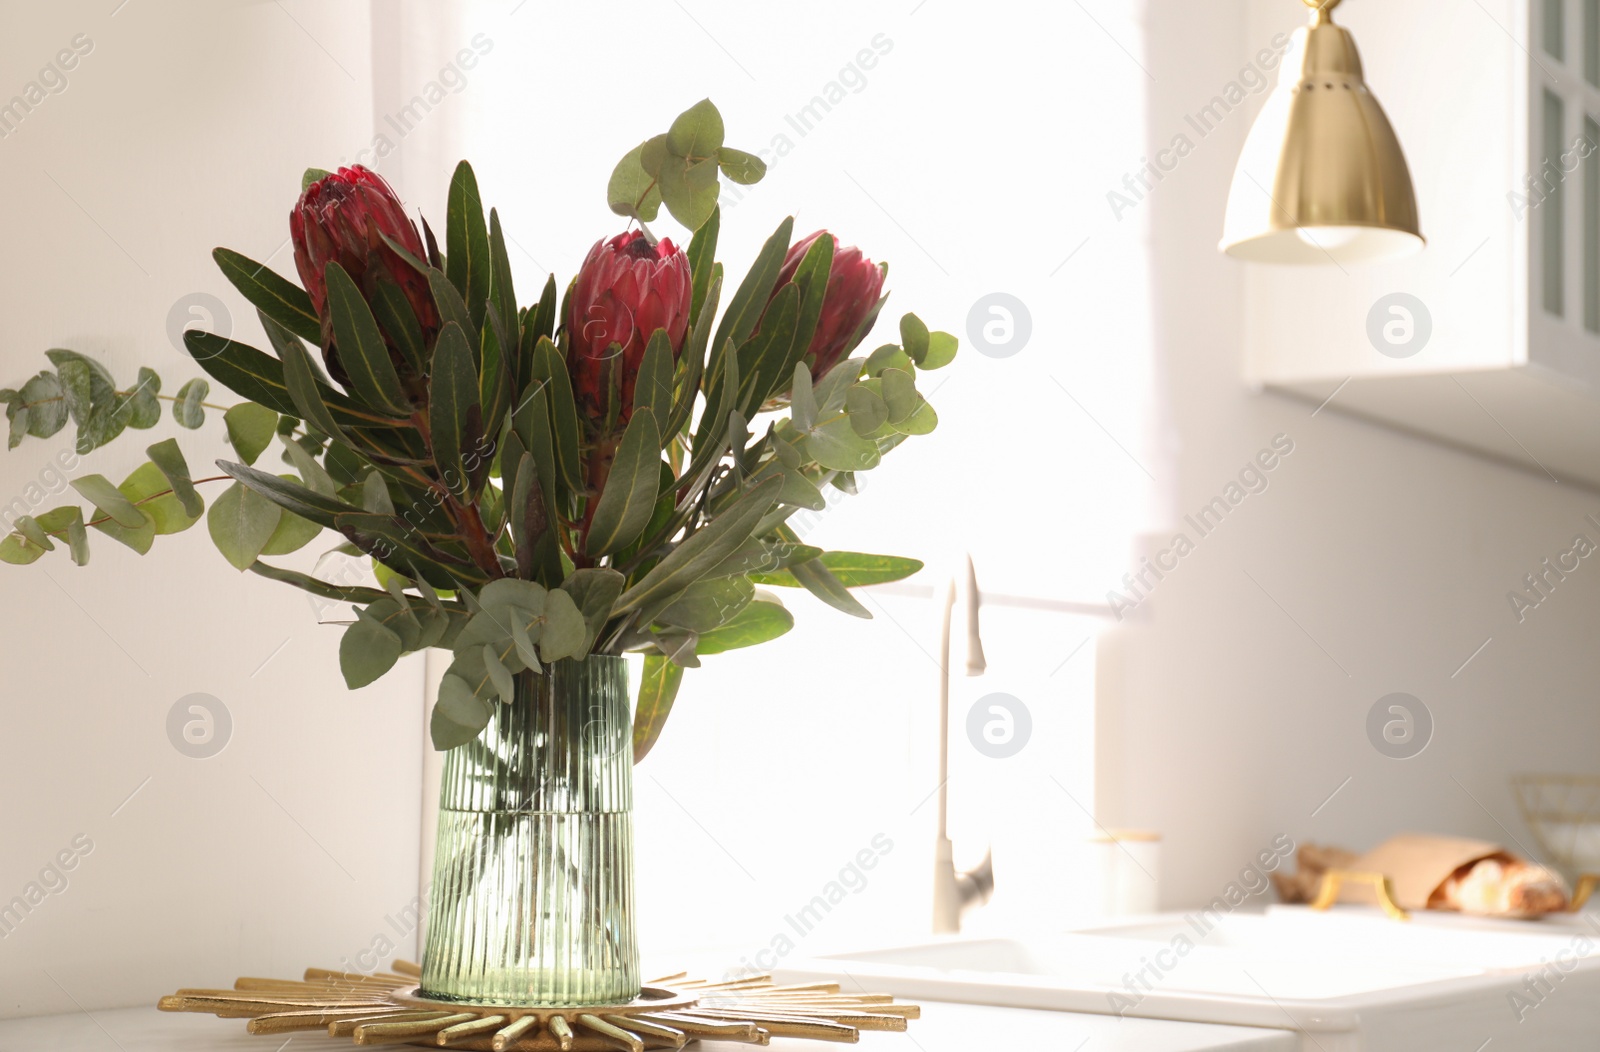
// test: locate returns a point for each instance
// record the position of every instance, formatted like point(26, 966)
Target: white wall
point(781, 762)
point(186, 126)
point(1374, 563)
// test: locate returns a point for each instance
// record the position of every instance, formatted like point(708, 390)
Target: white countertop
point(942, 1028)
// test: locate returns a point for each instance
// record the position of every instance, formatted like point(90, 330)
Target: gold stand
point(1586, 886)
point(386, 1008)
point(1334, 880)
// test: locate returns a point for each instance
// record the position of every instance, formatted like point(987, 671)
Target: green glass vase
point(532, 894)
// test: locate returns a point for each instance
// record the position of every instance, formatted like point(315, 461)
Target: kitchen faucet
point(956, 892)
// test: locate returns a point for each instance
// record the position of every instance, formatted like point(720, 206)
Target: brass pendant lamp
point(1322, 178)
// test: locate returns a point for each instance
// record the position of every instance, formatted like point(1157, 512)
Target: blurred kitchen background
point(1023, 174)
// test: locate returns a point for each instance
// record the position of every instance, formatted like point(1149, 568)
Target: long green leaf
point(707, 547)
point(629, 496)
point(453, 398)
point(817, 579)
point(399, 322)
point(757, 623)
point(658, 688)
point(766, 362)
point(290, 496)
point(851, 569)
point(256, 375)
point(702, 258)
point(549, 366)
point(395, 545)
point(466, 241)
point(361, 349)
point(502, 292)
point(273, 295)
point(748, 303)
point(300, 379)
point(653, 385)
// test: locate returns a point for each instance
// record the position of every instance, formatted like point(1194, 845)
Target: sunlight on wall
point(977, 157)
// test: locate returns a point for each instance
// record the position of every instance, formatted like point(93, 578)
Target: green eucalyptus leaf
point(921, 421)
point(250, 429)
point(139, 538)
point(835, 445)
point(741, 167)
point(459, 715)
point(241, 521)
point(77, 536)
point(914, 337)
point(867, 410)
point(187, 409)
point(690, 190)
point(18, 550)
point(941, 351)
point(29, 527)
point(524, 645)
point(697, 132)
point(367, 651)
point(564, 628)
point(166, 456)
point(900, 395)
point(594, 591)
point(504, 683)
point(633, 191)
point(889, 356)
point(140, 405)
point(98, 490)
point(148, 488)
point(45, 404)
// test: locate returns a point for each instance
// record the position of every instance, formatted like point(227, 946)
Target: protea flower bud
point(626, 289)
point(849, 305)
point(343, 219)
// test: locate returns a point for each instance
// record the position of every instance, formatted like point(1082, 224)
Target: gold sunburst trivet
point(385, 1008)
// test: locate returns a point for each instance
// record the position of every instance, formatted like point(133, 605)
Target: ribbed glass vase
point(532, 895)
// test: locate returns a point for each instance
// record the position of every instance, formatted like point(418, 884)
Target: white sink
point(1350, 980)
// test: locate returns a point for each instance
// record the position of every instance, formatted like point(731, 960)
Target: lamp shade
point(1322, 178)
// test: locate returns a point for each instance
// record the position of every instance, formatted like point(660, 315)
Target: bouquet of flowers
point(607, 472)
